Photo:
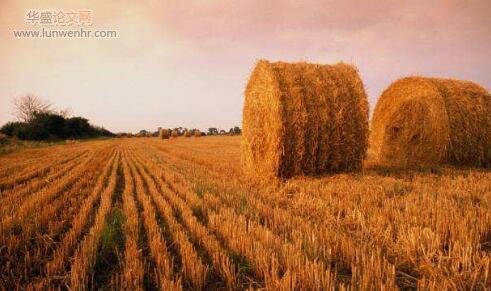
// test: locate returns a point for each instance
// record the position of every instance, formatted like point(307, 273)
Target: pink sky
point(186, 63)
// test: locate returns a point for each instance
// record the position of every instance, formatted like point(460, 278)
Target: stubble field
point(145, 214)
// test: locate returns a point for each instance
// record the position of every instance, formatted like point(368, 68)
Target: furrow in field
point(205, 158)
point(222, 265)
point(133, 269)
point(20, 161)
point(57, 265)
point(42, 215)
point(272, 218)
point(85, 255)
point(12, 197)
point(164, 277)
point(108, 264)
point(262, 260)
point(295, 266)
point(36, 171)
point(194, 269)
point(261, 207)
point(192, 263)
point(35, 201)
point(40, 233)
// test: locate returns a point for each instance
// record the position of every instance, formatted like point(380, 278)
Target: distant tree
point(17, 129)
point(47, 126)
point(26, 107)
point(212, 131)
point(53, 126)
point(142, 133)
point(100, 131)
point(78, 127)
point(178, 130)
point(237, 130)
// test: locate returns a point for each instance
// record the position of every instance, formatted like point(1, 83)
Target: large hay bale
point(197, 133)
point(304, 119)
point(427, 121)
point(187, 133)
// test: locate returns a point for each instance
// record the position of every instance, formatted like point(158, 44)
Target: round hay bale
point(187, 133)
point(304, 119)
point(197, 133)
point(421, 122)
point(174, 133)
point(164, 133)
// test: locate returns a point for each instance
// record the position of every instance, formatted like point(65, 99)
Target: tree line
point(37, 120)
point(182, 131)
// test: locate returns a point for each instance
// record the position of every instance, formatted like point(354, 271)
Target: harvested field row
point(149, 214)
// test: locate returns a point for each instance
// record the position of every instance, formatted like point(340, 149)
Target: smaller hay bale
point(197, 133)
point(421, 122)
point(167, 133)
point(164, 133)
point(174, 133)
point(187, 133)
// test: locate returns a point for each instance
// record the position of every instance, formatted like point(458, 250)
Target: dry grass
point(191, 220)
point(304, 119)
point(427, 121)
